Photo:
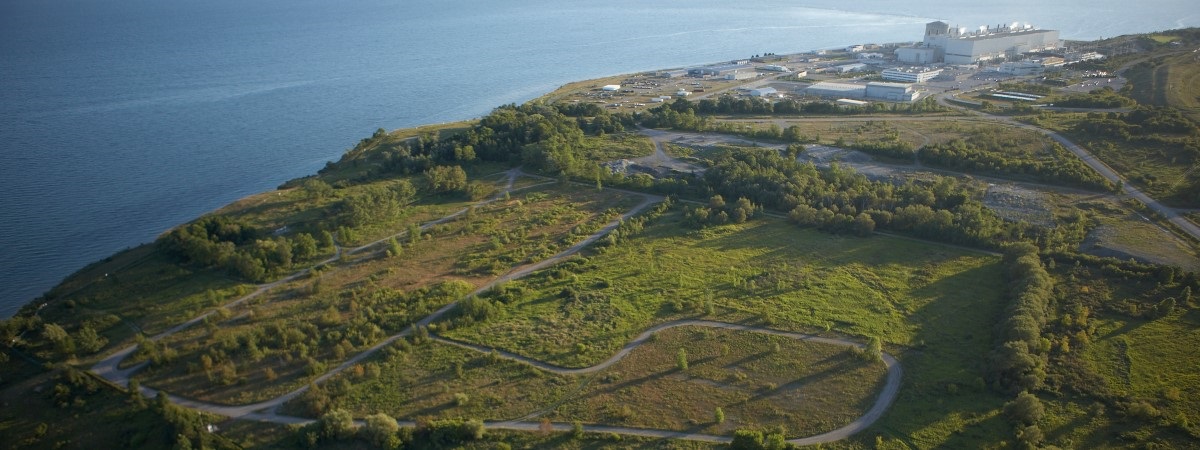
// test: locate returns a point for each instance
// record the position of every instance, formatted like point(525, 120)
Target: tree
point(304, 246)
point(379, 430)
point(394, 248)
point(89, 341)
point(681, 359)
point(443, 179)
point(316, 189)
point(875, 349)
point(747, 440)
point(337, 424)
point(59, 337)
point(1026, 409)
point(719, 415)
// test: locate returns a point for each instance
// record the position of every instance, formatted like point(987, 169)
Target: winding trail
point(886, 396)
point(267, 411)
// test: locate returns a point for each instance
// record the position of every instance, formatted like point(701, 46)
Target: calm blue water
point(122, 118)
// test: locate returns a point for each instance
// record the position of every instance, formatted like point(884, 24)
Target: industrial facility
point(960, 46)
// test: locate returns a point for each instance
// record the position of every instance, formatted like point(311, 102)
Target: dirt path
point(883, 401)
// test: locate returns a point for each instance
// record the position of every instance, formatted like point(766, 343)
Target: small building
point(763, 92)
point(910, 74)
point(775, 68)
point(673, 73)
point(850, 102)
point(870, 55)
point(855, 48)
point(897, 92)
point(682, 93)
point(611, 87)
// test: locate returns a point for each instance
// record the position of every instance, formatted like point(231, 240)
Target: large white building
point(910, 74)
point(960, 46)
point(897, 92)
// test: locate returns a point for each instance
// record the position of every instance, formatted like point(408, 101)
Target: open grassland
point(1161, 165)
point(758, 381)
point(1172, 80)
point(933, 304)
point(274, 345)
point(1128, 363)
point(434, 380)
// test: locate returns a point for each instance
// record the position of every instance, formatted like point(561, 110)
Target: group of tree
point(992, 157)
point(718, 212)
point(226, 243)
point(1019, 361)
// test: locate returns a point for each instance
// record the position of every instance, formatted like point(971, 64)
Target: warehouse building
point(896, 92)
point(721, 70)
point(836, 90)
point(763, 92)
point(910, 74)
point(959, 46)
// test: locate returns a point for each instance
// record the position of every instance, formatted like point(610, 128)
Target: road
point(1168, 213)
point(886, 396)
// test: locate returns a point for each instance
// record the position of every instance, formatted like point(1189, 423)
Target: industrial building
point(846, 68)
point(897, 92)
point(837, 90)
point(763, 92)
point(910, 74)
point(959, 46)
point(721, 70)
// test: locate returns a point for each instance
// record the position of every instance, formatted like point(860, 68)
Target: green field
point(362, 298)
point(931, 305)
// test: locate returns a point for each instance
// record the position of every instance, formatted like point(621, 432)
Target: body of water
point(121, 119)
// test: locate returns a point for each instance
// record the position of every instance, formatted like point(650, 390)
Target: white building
point(611, 87)
point(897, 92)
point(763, 92)
point(836, 90)
point(845, 68)
point(741, 74)
point(848, 102)
point(916, 55)
point(959, 46)
point(910, 74)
